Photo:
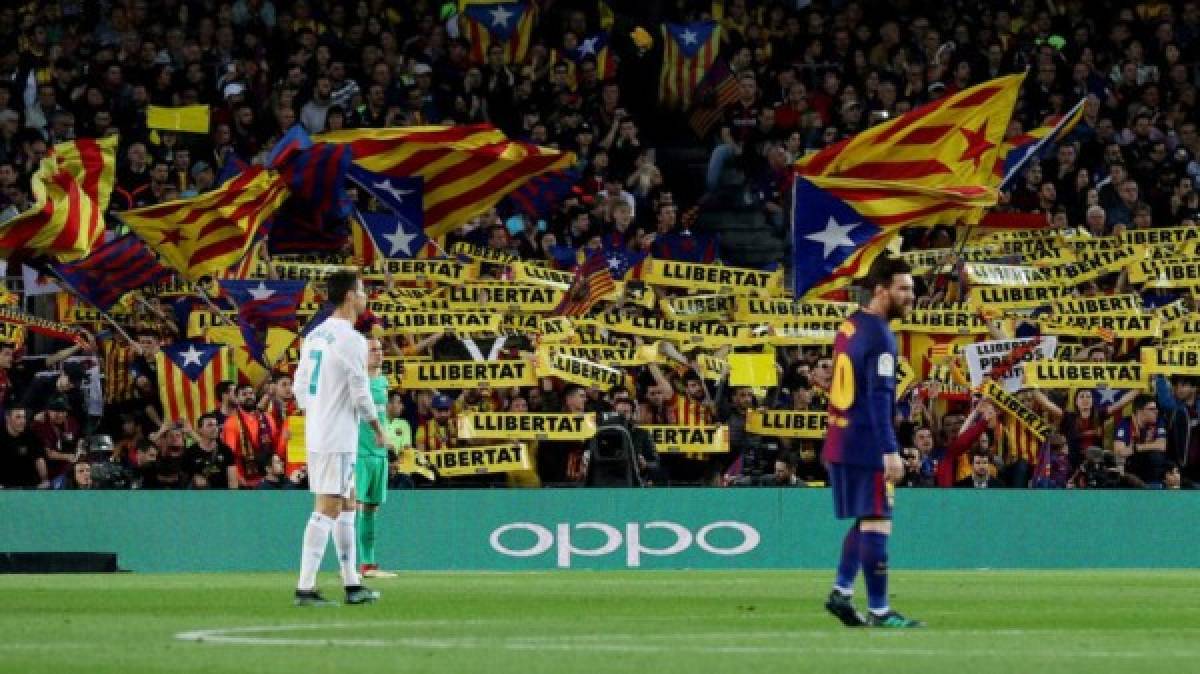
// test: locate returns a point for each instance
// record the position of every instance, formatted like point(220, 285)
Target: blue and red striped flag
point(262, 305)
point(113, 269)
point(689, 50)
point(592, 282)
point(541, 195)
point(686, 246)
point(316, 174)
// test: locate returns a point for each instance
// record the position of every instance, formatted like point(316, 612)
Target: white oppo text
point(565, 549)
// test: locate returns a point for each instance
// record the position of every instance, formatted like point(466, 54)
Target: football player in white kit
point(331, 386)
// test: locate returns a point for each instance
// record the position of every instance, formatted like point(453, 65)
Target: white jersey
point(332, 387)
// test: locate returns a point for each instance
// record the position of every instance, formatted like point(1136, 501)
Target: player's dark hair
point(884, 269)
point(340, 284)
point(1141, 401)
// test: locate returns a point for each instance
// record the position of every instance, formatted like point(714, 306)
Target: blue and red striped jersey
point(862, 396)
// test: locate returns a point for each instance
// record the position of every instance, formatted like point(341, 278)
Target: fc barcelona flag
point(188, 374)
point(689, 50)
point(508, 24)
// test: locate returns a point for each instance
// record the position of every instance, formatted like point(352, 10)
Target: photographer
point(645, 455)
point(1099, 470)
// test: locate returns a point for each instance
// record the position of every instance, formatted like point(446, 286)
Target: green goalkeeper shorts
point(370, 479)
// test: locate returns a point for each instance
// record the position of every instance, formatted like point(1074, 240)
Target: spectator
point(22, 457)
point(981, 473)
point(250, 433)
point(1140, 443)
point(209, 461)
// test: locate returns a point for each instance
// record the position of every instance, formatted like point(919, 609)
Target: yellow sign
point(756, 370)
point(756, 310)
point(463, 461)
point(942, 322)
point(460, 374)
point(509, 296)
point(1059, 374)
point(580, 371)
point(787, 424)
point(712, 277)
point(689, 439)
point(1179, 360)
point(1015, 297)
point(1015, 408)
point(514, 426)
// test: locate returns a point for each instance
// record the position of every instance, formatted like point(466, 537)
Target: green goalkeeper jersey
point(366, 437)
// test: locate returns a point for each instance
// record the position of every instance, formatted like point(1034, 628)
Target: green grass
point(584, 622)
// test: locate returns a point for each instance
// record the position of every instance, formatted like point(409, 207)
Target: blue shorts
point(859, 491)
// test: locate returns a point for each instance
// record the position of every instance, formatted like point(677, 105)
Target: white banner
point(981, 357)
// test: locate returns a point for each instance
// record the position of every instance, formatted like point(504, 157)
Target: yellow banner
point(1183, 327)
point(698, 306)
point(804, 334)
point(1049, 251)
point(1059, 374)
point(1174, 273)
point(713, 277)
point(483, 253)
point(689, 439)
point(513, 426)
point(460, 322)
point(506, 296)
point(712, 334)
point(942, 322)
point(1094, 265)
point(637, 293)
point(580, 371)
point(758, 310)
point(12, 333)
point(306, 271)
point(1014, 407)
point(446, 271)
point(711, 367)
point(609, 355)
point(982, 273)
point(787, 424)
point(510, 458)
point(1168, 361)
point(1172, 311)
point(524, 272)
point(1160, 236)
point(297, 449)
point(1132, 326)
point(1015, 297)
point(906, 377)
point(460, 374)
point(1129, 303)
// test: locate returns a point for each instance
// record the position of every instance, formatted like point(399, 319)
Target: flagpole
point(79, 296)
point(199, 290)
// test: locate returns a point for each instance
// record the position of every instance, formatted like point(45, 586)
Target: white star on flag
point(688, 36)
point(400, 240)
point(834, 236)
point(500, 16)
point(191, 356)
point(1107, 396)
point(261, 292)
point(589, 46)
point(614, 262)
point(397, 194)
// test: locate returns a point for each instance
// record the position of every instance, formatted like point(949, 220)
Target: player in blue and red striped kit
point(861, 452)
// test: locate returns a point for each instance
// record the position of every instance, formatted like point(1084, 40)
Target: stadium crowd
point(807, 74)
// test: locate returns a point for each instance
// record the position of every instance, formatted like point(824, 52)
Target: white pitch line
point(629, 643)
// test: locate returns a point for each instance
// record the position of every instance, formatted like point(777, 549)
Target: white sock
point(345, 543)
point(316, 536)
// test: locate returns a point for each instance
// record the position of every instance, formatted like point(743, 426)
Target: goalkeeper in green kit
point(371, 469)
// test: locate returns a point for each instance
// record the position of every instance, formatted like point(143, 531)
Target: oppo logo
point(560, 540)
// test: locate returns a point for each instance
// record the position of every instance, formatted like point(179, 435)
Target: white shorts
point(332, 474)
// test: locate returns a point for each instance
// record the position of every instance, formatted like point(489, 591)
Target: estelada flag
point(931, 166)
point(188, 374)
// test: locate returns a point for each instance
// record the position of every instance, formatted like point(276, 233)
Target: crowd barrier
point(502, 530)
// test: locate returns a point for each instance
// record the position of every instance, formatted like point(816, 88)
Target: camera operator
point(1099, 470)
point(107, 469)
point(785, 472)
point(645, 454)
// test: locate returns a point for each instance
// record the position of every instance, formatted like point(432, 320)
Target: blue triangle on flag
point(691, 37)
point(191, 357)
point(394, 235)
point(825, 232)
point(402, 196)
point(501, 19)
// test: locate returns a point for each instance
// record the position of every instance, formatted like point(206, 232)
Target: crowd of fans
point(807, 74)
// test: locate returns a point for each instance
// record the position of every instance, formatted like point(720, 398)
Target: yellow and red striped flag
point(931, 166)
point(465, 169)
point(188, 374)
point(509, 24)
point(689, 50)
point(71, 189)
point(592, 282)
point(204, 235)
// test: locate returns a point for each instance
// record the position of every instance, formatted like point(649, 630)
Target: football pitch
point(661, 622)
